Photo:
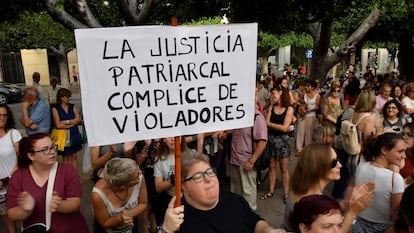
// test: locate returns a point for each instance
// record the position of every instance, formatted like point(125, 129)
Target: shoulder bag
point(40, 227)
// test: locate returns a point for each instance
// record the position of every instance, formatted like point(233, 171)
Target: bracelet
point(161, 229)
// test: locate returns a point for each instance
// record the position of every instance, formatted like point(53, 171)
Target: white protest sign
point(162, 81)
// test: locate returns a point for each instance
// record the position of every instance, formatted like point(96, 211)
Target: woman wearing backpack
point(364, 107)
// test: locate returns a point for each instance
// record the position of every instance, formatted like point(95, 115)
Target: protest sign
point(161, 81)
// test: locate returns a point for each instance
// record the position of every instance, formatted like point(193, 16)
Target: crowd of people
point(134, 182)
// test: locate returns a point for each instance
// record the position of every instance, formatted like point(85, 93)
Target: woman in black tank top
point(278, 120)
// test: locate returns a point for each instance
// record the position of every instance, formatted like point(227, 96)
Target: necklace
point(378, 164)
point(123, 200)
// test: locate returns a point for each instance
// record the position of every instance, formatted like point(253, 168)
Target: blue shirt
point(39, 114)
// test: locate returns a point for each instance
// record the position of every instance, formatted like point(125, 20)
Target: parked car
point(10, 93)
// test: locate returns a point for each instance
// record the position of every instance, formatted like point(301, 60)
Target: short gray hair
point(189, 158)
point(117, 171)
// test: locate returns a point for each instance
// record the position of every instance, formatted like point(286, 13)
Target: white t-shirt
point(407, 102)
point(165, 168)
point(387, 183)
point(8, 157)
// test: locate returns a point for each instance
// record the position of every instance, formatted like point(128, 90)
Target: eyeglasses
point(47, 150)
point(392, 107)
point(337, 90)
point(200, 176)
point(3, 115)
point(334, 163)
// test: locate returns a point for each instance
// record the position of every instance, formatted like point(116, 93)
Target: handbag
point(59, 137)
point(40, 227)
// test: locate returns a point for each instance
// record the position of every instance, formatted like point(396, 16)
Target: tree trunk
point(265, 65)
point(321, 63)
point(321, 34)
point(406, 58)
point(393, 53)
point(62, 58)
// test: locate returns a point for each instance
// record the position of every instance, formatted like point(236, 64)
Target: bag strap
point(49, 192)
point(360, 119)
point(255, 115)
point(11, 136)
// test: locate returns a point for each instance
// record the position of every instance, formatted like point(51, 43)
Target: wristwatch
point(161, 229)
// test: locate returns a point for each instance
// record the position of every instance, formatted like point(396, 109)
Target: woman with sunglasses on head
point(316, 167)
point(26, 193)
point(278, 120)
point(66, 116)
point(205, 208)
point(331, 110)
point(9, 147)
point(120, 196)
point(387, 149)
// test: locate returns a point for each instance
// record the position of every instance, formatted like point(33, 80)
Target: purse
point(59, 137)
point(40, 227)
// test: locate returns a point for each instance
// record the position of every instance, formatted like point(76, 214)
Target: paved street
point(271, 209)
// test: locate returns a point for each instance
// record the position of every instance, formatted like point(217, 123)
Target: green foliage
point(267, 40)
point(296, 61)
point(204, 21)
point(187, 11)
point(106, 12)
point(33, 30)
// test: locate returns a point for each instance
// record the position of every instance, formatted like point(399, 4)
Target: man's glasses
point(334, 163)
point(47, 150)
point(200, 176)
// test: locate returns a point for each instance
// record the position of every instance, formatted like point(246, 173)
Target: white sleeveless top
point(311, 104)
point(113, 211)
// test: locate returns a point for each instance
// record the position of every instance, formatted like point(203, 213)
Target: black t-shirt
point(232, 214)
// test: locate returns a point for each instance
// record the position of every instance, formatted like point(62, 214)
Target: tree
point(37, 30)
point(317, 18)
point(321, 33)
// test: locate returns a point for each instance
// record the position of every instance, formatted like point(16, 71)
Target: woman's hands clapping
point(26, 201)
